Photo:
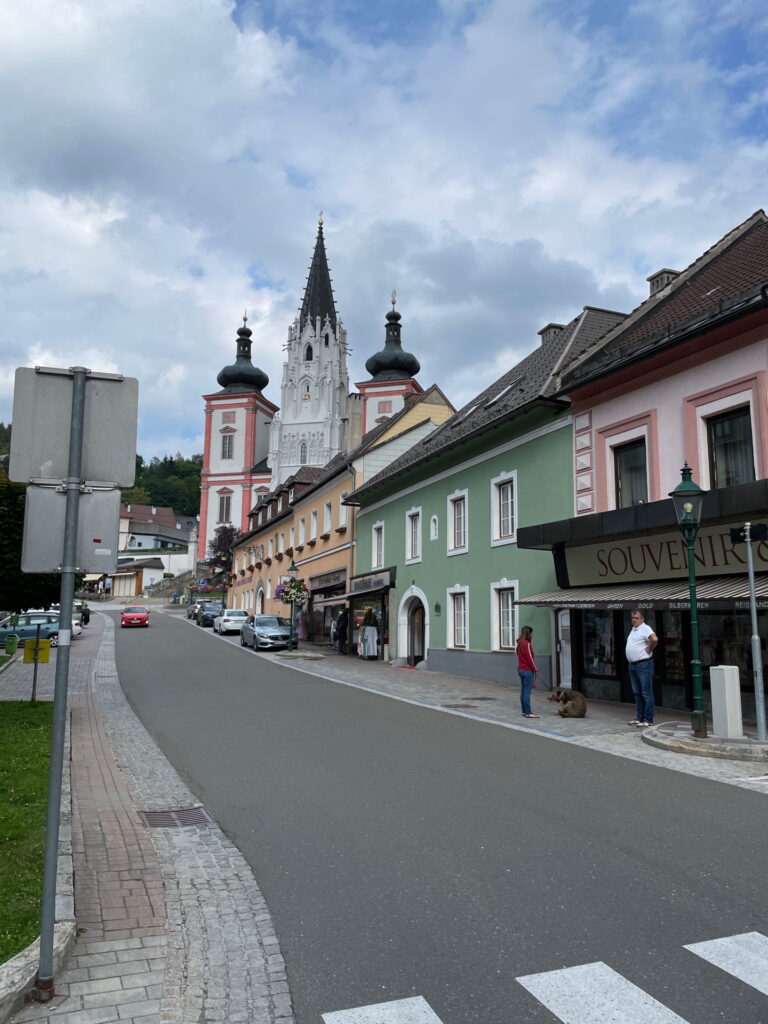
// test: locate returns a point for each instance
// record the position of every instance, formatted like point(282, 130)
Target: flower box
point(299, 548)
point(258, 565)
point(341, 529)
point(279, 556)
point(311, 543)
point(250, 568)
point(289, 551)
point(325, 536)
point(267, 561)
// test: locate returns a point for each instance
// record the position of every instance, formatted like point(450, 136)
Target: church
point(252, 445)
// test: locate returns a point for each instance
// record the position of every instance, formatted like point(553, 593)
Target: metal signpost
point(74, 433)
point(745, 535)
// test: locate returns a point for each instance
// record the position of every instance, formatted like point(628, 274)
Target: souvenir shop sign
point(371, 581)
point(661, 556)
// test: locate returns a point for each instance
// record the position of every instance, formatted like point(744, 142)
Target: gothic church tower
point(314, 412)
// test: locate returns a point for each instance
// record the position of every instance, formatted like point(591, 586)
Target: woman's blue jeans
point(526, 683)
point(641, 677)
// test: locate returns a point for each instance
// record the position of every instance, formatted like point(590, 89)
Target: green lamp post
point(688, 499)
point(292, 571)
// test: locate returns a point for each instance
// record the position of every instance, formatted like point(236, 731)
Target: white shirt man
point(641, 643)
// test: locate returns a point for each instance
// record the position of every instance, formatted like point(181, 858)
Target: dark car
point(267, 632)
point(207, 612)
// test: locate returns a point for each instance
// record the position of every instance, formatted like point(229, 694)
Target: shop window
point(598, 654)
point(630, 473)
point(457, 523)
point(227, 446)
point(731, 456)
point(377, 546)
point(503, 508)
point(413, 535)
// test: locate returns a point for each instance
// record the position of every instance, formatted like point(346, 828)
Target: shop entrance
point(415, 631)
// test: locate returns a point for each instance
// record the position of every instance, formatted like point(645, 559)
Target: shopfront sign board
point(381, 580)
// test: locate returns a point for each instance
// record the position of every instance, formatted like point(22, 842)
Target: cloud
point(501, 165)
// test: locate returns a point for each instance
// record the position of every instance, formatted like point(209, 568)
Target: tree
point(19, 590)
point(219, 555)
point(136, 496)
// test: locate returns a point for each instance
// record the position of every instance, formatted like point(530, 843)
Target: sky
point(500, 163)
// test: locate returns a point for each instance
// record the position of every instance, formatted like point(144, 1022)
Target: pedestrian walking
point(86, 614)
point(641, 644)
point(526, 669)
point(341, 629)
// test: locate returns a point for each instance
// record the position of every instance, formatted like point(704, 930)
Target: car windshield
point(209, 607)
point(139, 610)
point(270, 621)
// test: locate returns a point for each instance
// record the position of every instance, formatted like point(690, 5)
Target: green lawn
point(4, 658)
point(25, 739)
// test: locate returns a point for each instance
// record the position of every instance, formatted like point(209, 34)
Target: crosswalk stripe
point(743, 956)
point(595, 994)
point(401, 1011)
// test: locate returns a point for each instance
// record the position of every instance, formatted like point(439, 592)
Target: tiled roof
point(148, 514)
point(530, 380)
point(730, 269)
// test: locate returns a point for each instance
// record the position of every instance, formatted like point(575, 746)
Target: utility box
point(725, 687)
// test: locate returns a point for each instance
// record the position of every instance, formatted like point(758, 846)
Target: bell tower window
point(308, 354)
point(327, 340)
point(303, 453)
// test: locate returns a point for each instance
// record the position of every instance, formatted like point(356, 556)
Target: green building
point(436, 532)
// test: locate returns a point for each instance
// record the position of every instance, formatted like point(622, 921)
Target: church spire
point(318, 295)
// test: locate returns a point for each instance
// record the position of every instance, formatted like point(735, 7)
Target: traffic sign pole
point(45, 979)
point(757, 654)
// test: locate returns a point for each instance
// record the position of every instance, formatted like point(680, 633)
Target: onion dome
point(392, 363)
point(242, 375)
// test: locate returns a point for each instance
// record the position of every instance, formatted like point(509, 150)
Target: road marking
point(595, 994)
point(401, 1011)
point(743, 956)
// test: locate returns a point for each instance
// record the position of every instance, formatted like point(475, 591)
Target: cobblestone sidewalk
point(173, 927)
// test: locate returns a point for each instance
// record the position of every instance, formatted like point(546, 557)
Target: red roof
point(148, 514)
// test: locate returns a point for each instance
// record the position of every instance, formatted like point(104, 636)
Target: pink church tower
point(236, 445)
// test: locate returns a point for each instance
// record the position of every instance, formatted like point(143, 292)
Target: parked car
point(267, 632)
point(207, 612)
point(193, 609)
point(27, 623)
point(134, 615)
point(77, 628)
point(229, 621)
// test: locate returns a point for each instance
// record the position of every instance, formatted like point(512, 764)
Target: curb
point(679, 739)
point(18, 975)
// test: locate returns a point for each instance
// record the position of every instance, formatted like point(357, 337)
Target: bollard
point(725, 687)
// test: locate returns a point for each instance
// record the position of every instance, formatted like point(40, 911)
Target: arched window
point(303, 452)
point(308, 354)
point(327, 340)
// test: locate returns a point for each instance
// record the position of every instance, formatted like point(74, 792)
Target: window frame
point(227, 445)
point(313, 524)
point(507, 478)
point(498, 588)
point(616, 449)
point(451, 642)
point(377, 545)
point(452, 502)
point(743, 411)
point(225, 503)
point(413, 540)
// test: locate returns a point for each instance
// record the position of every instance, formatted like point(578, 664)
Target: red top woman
point(526, 669)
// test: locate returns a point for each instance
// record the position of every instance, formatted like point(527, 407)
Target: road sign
point(42, 412)
point(41, 648)
point(757, 531)
point(98, 529)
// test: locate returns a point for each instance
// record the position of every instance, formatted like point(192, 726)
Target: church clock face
point(305, 397)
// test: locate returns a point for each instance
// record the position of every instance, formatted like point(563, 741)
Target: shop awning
point(91, 576)
point(714, 593)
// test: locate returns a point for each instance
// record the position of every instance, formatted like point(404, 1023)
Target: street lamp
point(292, 571)
point(688, 499)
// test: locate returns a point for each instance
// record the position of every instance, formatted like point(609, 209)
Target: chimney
point(661, 279)
point(550, 332)
point(127, 508)
point(154, 510)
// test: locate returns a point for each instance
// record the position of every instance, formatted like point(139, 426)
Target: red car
point(134, 616)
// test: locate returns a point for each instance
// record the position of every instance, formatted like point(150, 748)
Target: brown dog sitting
point(574, 704)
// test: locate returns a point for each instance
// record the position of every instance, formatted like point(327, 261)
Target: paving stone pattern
point(174, 926)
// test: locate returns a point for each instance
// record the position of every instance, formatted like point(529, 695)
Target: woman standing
point(526, 669)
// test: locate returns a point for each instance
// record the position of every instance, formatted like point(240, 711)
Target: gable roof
point(718, 280)
point(160, 514)
point(528, 382)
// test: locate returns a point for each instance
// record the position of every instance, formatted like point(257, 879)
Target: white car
point(230, 621)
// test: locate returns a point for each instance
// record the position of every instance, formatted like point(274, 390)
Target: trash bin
point(11, 643)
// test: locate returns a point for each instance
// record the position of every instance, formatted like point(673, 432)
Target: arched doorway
point(259, 601)
point(415, 631)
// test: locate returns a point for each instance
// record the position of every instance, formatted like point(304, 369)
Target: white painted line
point(401, 1011)
point(596, 994)
point(743, 956)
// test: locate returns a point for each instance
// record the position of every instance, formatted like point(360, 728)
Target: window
point(290, 495)
point(303, 452)
point(504, 508)
point(308, 354)
point(343, 509)
point(457, 523)
point(279, 503)
point(327, 515)
point(385, 406)
point(377, 546)
point(269, 511)
point(260, 518)
point(269, 588)
point(457, 617)
point(505, 612)
point(281, 542)
point(731, 456)
point(302, 530)
point(630, 473)
point(327, 340)
point(225, 508)
point(291, 535)
point(227, 446)
point(434, 528)
point(313, 524)
point(413, 535)
point(271, 546)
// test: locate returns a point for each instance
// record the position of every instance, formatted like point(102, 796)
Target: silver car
point(267, 632)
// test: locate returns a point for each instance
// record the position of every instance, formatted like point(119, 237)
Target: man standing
point(341, 630)
point(641, 643)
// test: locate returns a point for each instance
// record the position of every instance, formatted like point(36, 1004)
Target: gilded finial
point(245, 317)
point(320, 219)
point(394, 298)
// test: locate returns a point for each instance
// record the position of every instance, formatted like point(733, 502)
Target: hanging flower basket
point(293, 592)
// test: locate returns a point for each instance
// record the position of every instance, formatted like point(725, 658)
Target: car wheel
point(253, 644)
point(54, 638)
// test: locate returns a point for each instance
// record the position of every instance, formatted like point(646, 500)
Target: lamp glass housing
point(688, 499)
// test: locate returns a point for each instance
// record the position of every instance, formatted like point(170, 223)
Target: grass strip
point(25, 743)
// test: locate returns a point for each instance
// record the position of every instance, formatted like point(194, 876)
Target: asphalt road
point(403, 852)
